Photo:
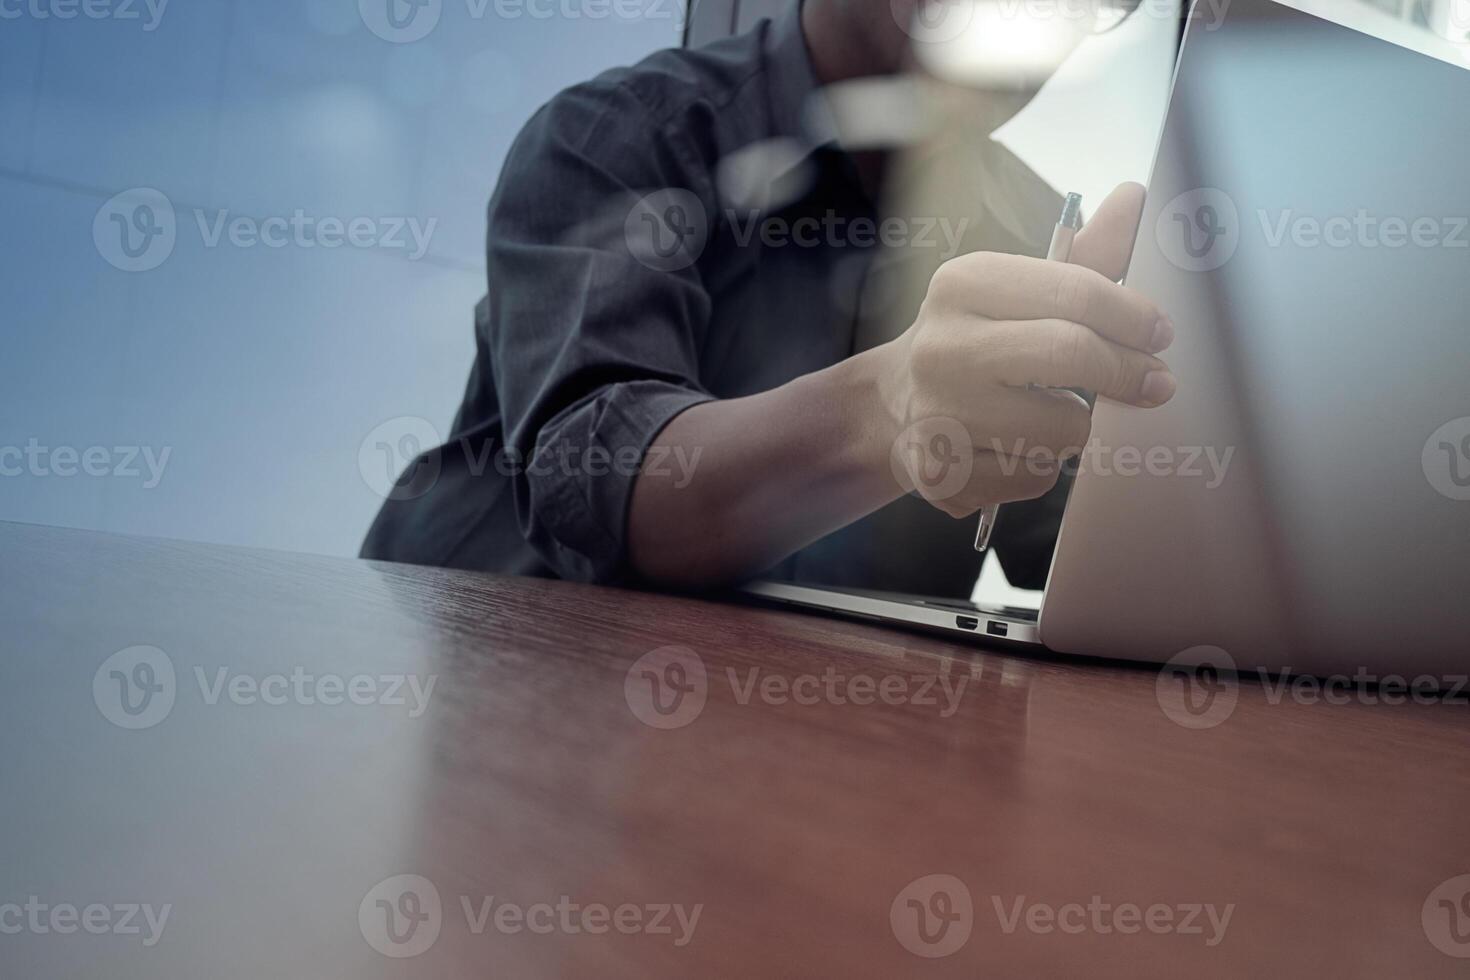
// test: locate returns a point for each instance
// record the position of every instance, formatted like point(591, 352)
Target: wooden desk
point(796, 827)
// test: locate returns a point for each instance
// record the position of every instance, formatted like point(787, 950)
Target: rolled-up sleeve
point(593, 350)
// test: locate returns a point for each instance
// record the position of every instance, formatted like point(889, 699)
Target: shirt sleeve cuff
point(587, 461)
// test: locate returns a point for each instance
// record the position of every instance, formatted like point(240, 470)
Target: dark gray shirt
point(610, 312)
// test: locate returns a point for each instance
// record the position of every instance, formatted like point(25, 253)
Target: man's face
point(1002, 48)
point(966, 30)
point(882, 28)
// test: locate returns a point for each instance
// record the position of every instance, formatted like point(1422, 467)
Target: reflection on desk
point(331, 768)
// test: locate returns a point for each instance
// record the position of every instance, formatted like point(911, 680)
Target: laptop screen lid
point(1305, 500)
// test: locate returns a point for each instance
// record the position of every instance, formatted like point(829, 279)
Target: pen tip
point(1072, 211)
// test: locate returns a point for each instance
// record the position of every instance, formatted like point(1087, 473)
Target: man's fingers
point(1015, 287)
point(1063, 354)
point(999, 479)
point(1105, 244)
point(1018, 421)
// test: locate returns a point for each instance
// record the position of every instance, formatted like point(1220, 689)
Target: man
point(638, 414)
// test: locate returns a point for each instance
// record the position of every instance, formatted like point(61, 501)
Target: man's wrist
point(871, 409)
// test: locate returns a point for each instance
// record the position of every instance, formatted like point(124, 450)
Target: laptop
point(1306, 229)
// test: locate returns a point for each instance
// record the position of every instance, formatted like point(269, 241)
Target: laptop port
point(997, 629)
point(967, 622)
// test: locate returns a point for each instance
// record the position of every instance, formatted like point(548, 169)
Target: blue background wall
point(260, 370)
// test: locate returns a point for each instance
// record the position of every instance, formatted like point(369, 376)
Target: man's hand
point(974, 379)
point(782, 468)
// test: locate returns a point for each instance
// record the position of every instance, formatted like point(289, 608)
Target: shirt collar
point(794, 83)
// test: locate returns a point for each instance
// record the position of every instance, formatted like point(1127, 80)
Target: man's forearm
point(995, 340)
point(776, 471)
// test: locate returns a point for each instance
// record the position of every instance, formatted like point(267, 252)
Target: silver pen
point(1060, 251)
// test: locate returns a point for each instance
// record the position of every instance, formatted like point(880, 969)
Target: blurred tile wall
point(182, 354)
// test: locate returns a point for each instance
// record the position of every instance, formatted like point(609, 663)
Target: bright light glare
point(1003, 43)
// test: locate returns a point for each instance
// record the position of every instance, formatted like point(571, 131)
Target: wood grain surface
point(830, 798)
